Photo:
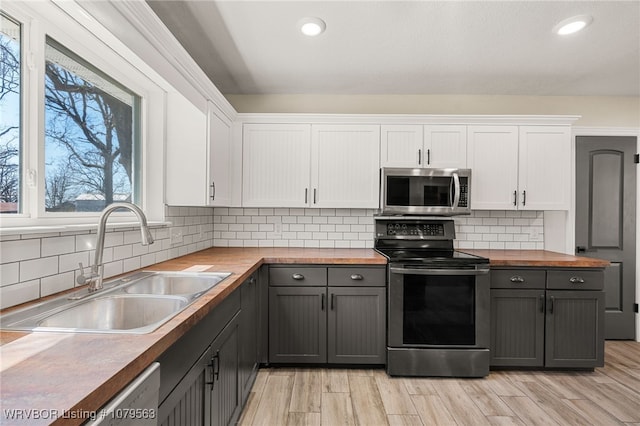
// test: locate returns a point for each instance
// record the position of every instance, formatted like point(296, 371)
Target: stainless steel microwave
point(428, 191)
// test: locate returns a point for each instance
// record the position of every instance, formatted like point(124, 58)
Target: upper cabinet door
point(423, 146)
point(445, 146)
point(219, 159)
point(401, 145)
point(276, 159)
point(493, 159)
point(345, 166)
point(544, 178)
point(187, 182)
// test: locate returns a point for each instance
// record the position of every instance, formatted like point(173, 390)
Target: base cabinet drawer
point(575, 279)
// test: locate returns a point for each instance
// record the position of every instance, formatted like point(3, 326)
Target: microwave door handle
point(456, 191)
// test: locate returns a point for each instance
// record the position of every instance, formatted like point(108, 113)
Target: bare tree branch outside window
point(89, 135)
point(9, 115)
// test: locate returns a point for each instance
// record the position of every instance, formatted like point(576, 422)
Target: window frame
point(80, 34)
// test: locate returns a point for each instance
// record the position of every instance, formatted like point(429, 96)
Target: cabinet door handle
point(213, 190)
point(576, 280)
point(333, 300)
point(297, 277)
point(516, 279)
point(551, 299)
point(357, 277)
point(314, 196)
point(524, 197)
point(515, 198)
point(215, 369)
point(212, 382)
point(542, 303)
point(428, 156)
point(419, 157)
point(322, 301)
point(306, 195)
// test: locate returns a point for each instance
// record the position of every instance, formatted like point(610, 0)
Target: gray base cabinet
point(547, 318)
point(249, 327)
point(297, 325)
point(207, 374)
point(327, 315)
point(222, 380)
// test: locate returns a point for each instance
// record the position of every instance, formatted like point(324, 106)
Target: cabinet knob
point(357, 277)
point(516, 279)
point(297, 277)
point(576, 280)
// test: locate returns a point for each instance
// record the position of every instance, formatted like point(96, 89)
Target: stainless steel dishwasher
point(136, 405)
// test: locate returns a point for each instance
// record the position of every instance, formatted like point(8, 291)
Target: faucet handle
point(81, 278)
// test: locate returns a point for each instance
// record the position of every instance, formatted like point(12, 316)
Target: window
point(91, 136)
point(76, 108)
point(10, 117)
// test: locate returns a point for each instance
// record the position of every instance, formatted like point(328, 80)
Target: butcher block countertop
point(537, 258)
point(63, 377)
point(70, 375)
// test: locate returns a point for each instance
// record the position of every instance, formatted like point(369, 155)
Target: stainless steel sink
point(176, 283)
point(120, 312)
point(138, 303)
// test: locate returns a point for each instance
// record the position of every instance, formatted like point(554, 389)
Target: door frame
point(571, 222)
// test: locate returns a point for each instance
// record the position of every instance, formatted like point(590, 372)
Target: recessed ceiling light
point(572, 25)
point(312, 26)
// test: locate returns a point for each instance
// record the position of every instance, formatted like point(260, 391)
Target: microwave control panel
point(464, 193)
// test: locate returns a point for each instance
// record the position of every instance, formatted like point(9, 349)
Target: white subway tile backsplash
point(9, 273)
point(17, 250)
point(38, 268)
point(57, 283)
point(36, 265)
point(355, 227)
point(58, 245)
point(15, 294)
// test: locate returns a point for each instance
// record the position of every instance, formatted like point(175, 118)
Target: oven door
point(438, 307)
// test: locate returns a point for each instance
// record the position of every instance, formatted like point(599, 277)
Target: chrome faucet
point(94, 278)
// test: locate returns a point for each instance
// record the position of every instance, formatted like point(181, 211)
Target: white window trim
point(69, 25)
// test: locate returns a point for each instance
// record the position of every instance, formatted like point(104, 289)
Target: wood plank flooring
point(298, 396)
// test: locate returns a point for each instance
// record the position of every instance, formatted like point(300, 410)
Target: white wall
point(595, 110)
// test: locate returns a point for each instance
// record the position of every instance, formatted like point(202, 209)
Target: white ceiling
point(411, 47)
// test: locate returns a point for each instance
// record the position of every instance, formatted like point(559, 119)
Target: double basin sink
point(138, 304)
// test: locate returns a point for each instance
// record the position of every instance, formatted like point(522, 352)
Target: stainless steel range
point(438, 300)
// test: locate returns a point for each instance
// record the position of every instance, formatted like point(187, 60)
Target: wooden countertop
point(62, 377)
point(537, 258)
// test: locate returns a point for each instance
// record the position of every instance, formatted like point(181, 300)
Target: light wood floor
point(296, 396)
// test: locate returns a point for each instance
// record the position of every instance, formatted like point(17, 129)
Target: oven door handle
point(433, 271)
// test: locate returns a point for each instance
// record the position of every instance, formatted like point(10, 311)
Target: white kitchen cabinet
point(302, 165)
point(401, 145)
point(345, 166)
point(219, 181)
point(544, 173)
point(276, 165)
point(423, 146)
point(198, 154)
point(445, 146)
point(519, 168)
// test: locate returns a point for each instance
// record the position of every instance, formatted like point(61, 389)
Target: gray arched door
point(606, 221)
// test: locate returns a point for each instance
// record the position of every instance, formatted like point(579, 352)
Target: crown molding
point(551, 120)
